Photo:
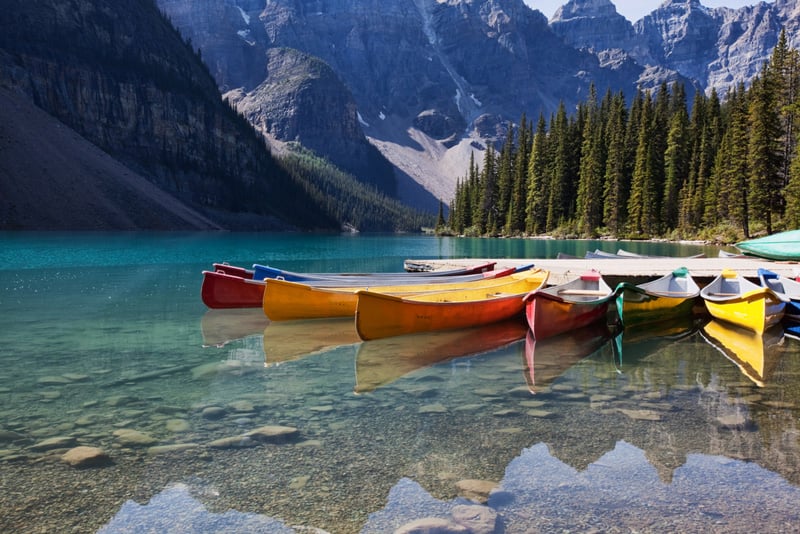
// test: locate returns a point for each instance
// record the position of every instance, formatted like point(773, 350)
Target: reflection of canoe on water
point(637, 342)
point(291, 340)
point(382, 361)
point(220, 327)
point(547, 359)
point(756, 355)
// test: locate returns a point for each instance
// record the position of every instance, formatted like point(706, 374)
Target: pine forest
point(721, 169)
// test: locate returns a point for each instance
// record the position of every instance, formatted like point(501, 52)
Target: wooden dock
point(633, 270)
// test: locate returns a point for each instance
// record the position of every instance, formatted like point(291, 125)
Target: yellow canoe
point(382, 315)
point(734, 299)
point(285, 301)
point(756, 355)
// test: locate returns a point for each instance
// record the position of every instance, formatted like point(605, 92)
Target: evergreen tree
point(792, 193)
point(558, 201)
point(676, 160)
point(505, 176)
point(640, 202)
point(488, 215)
point(784, 73)
point(616, 181)
point(764, 152)
point(515, 220)
point(440, 219)
point(590, 186)
point(539, 181)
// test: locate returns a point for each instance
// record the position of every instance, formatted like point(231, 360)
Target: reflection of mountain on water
point(620, 491)
point(176, 510)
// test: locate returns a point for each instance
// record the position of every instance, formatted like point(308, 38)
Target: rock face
point(121, 77)
point(424, 75)
point(712, 47)
point(420, 72)
point(303, 100)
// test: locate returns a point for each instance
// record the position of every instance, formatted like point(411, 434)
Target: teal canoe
point(780, 246)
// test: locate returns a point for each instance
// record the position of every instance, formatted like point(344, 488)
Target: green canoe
point(780, 246)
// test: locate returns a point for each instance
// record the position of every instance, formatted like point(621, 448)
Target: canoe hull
point(549, 317)
point(575, 304)
point(262, 272)
point(380, 315)
point(285, 301)
point(783, 246)
point(788, 288)
point(637, 307)
point(756, 310)
point(224, 291)
point(736, 300)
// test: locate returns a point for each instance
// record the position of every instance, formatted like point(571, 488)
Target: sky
point(634, 10)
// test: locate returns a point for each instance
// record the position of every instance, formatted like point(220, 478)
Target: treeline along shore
point(720, 169)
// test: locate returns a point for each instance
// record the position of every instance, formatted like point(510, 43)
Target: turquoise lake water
point(689, 427)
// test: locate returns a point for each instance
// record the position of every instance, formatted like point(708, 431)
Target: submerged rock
point(83, 457)
point(49, 444)
point(134, 438)
point(477, 519)
point(233, 442)
point(214, 412)
point(432, 525)
point(476, 490)
point(273, 433)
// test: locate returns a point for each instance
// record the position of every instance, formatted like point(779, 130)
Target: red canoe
point(222, 290)
point(569, 306)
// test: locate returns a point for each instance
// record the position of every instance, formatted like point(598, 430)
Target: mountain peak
point(585, 8)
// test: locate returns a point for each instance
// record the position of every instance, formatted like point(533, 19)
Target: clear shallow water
point(645, 431)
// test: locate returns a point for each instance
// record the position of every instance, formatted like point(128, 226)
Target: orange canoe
point(380, 315)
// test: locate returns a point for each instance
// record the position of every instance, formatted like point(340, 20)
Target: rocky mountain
point(396, 92)
point(429, 78)
point(110, 121)
point(429, 81)
point(715, 48)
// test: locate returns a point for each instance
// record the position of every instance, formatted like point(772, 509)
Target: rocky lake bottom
point(126, 406)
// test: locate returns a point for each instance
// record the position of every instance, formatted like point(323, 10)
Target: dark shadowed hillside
point(122, 78)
